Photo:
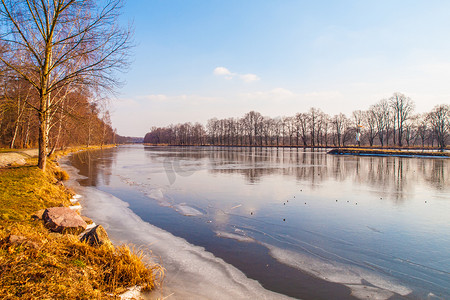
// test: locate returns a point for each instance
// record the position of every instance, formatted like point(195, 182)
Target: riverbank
point(37, 263)
point(20, 157)
point(386, 152)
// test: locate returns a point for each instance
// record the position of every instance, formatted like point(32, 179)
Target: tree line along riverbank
point(36, 262)
point(388, 123)
point(351, 150)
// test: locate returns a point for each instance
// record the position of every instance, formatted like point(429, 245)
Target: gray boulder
point(63, 220)
point(96, 236)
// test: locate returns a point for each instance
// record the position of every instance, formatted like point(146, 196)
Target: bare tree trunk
point(43, 140)
point(60, 121)
point(16, 126)
point(16, 123)
point(27, 131)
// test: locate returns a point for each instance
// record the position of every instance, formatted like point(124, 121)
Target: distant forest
point(388, 123)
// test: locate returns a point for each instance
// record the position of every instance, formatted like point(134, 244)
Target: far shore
point(389, 152)
point(350, 149)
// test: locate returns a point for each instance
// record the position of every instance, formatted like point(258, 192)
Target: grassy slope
point(52, 266)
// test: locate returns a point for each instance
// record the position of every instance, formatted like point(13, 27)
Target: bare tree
point(62, 43)
point(277, 129)
point(381, 114)
point(212, 129)
point(106, 118)
point(284, 129)
point(411, 131)
point(252, 122)
point(440, 122)
point(340, 126)
point(370, 122)
point(422, 128)
point(320, 128)
point(403, 107)
point(358, 116)
point(314, 117)
point(16, 95)
point(325, 120)
point(302, 120)
point(267, 126)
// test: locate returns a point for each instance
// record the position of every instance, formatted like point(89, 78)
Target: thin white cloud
point(222, 71)
point(227, 74)
point(249, 77)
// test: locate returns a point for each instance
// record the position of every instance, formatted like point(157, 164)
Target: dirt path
point(18, 157)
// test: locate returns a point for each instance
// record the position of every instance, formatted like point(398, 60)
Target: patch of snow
point(132, 293)
point(90, 226)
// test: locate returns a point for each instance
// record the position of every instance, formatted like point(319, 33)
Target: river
point(268, 223)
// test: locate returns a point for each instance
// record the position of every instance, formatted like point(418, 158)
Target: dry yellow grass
point(56, 266)
point(44, 265)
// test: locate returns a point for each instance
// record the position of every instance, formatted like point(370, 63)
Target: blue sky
point(195, 60)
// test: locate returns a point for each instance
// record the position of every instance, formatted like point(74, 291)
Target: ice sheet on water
point(234, 236)
point(367, 292)
point(158, 195)
point(152, 193)
point(191, 271)
point(354, 277)
point(187, 210)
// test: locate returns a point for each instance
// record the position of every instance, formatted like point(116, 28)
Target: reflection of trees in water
point(385, 172)
point(95, 165)
point(255, 163)
point(389, 176)
point(392, 176)
point(437, 177)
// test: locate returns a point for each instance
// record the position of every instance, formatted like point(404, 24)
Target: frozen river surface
point(267, 223)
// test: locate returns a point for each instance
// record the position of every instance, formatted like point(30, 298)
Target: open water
point(242, 223)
